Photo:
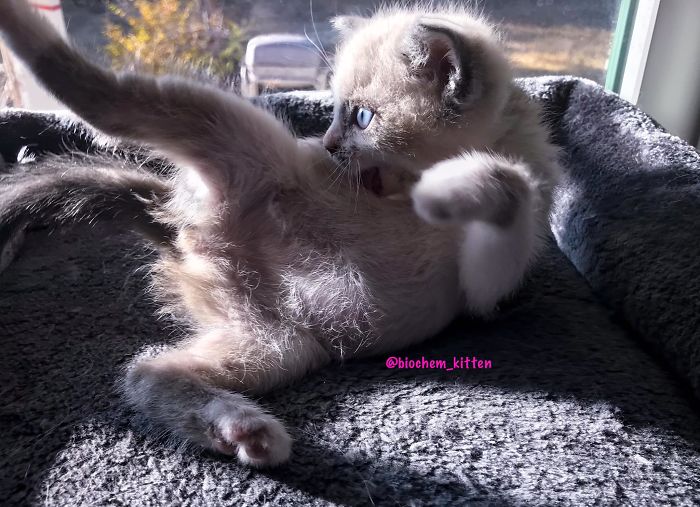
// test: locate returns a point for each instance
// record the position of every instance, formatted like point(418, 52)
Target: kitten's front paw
point(472, 187)
point(257, 438)
point(442, 196)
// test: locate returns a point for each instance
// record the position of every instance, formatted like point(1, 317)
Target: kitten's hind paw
point(257, 438)
point(222, 421)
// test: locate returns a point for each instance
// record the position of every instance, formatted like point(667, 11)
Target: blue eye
point(364, 117)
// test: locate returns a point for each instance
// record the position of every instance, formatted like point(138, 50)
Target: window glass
point(272, 45)
point(557, 36)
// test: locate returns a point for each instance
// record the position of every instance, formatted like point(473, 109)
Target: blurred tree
point(160, 35)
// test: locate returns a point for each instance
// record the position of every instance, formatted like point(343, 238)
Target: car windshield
point(286, 54)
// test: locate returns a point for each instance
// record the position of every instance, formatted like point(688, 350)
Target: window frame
point(631, 45)
point(655, 62)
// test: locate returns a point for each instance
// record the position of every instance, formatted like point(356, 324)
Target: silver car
point(279, 62)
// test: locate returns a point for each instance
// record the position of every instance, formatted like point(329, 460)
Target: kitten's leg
point(193, 125)
point(198, 392)
point(503, 210)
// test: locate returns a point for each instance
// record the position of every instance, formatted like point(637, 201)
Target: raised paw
point(452, 192)
point(438, 199)
point(471, 187)
point(255, 437)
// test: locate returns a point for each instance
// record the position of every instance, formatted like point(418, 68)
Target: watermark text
point(457, 363)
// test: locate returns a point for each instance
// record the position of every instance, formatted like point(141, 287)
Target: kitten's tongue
point(372, 180)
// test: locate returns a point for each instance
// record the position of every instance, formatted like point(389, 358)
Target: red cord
point(46, 7)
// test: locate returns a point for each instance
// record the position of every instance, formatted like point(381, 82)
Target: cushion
point(572, 410)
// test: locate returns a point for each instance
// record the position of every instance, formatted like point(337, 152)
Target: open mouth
point(387, 183)
point(371, 179)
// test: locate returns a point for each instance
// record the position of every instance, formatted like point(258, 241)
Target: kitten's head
point(412, 88)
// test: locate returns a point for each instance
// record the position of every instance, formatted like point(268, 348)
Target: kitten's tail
point(65, 190)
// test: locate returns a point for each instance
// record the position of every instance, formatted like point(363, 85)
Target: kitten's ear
point(345, 25)
point(445, 60)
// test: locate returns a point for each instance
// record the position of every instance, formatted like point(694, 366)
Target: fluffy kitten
point(438, 94)
point(277, 269)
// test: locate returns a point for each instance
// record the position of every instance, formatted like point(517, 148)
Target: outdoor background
point(209, 36)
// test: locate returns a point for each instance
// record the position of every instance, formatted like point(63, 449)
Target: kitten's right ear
point(445, 59)
point(345, 25)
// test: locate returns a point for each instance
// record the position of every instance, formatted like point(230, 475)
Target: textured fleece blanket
point(575, 408)
point(629, 219)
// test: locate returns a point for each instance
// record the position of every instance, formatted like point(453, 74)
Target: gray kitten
point(276, 271)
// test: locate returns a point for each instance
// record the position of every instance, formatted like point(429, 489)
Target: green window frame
point(621, 44)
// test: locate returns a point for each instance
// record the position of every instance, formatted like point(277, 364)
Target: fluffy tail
point(73, 189)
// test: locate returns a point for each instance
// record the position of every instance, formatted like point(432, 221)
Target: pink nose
point(331, 140)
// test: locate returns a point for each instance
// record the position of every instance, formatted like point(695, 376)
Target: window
point(557, 36)
point(263, 45)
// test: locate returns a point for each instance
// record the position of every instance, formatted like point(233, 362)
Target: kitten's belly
point(376, 282)
point(414, 309)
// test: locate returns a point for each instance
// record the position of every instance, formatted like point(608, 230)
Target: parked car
point(279, 62)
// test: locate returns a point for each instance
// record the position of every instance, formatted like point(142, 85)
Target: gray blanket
point(589, 399)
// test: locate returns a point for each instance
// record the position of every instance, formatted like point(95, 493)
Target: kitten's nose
point(331, 142)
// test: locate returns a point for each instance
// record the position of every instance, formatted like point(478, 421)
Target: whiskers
point(358, 183)
point(318, 45)
point(346, 178)
point(342, 167)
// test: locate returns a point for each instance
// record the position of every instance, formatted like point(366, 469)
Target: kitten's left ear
point(445, 59)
